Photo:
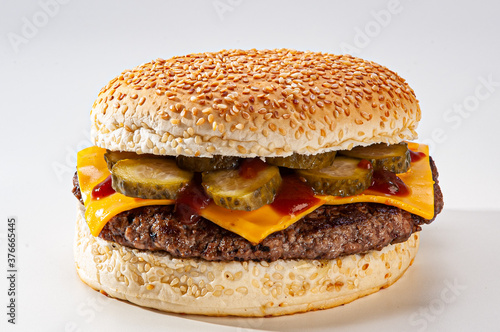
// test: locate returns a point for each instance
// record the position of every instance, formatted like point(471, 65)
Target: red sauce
point(294, 196)
point(388, 183)
point(416, 156)
point(103, 189)
point(191, 199)
point(365, 164)
point(249, 168)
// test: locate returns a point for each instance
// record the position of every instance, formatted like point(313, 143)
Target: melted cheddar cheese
point(252, 225)
point(92, 170)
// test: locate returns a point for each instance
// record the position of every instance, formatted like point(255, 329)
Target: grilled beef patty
point(326, 233)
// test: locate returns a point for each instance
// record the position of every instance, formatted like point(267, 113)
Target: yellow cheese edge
point(252, 225)
point(92, 170)
point(258, 224)
point(418, 179)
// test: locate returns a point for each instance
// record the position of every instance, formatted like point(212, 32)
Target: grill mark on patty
point(328, 232)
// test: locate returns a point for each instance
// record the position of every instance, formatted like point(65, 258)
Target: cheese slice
point(92, 170)
point(252, 225)
point(418, 179)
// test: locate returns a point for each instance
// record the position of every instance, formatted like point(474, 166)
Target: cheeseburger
point(252, 183)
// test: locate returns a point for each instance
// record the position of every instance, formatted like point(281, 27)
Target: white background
point(55, 57)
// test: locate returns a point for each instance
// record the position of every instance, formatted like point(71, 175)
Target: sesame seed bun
point(195, 286)
point(254, 103)
point(246, 104)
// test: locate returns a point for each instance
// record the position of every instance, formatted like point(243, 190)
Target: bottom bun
point(194, 286)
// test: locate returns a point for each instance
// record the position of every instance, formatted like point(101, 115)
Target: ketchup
point(103, 189)
point(365, 164)
point(388, 183)
point(191, 199)
point(294, 196)
point(249, 168)
point(416, 156)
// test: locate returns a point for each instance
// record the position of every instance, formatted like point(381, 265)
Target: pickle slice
point(204, 164)
point(343, 178)
point(301, 161)
point(232, 191)
point(394, 158)
point(112, 157)
point(150, 178)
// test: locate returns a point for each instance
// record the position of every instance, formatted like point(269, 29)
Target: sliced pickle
point(151, 178)
point(232, 191)
point(301, 161)
point(343, 178)
point(112, 157)
point(204, 164)
point(394, 158)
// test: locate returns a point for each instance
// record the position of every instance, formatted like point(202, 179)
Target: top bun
point(254, 103)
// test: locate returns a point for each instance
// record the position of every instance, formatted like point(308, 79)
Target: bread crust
point(254, 103)
point(253, 289)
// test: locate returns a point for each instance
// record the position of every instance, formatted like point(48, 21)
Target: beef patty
point(326, 233)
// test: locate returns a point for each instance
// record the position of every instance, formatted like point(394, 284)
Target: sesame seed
point(242, 290)
point(221, 127)
point(285, 84)
point(278, 276)
point(366, 116)
point(242, 149)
